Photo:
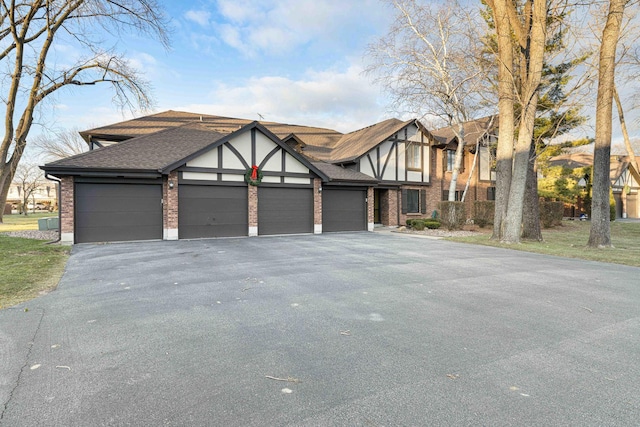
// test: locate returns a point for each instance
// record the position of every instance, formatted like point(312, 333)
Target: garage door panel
point(212, 211)
point(344, 209)
point(117, 212)
point(285, 210)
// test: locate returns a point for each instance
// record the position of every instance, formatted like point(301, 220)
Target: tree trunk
point(532, 59)
point(457, 161)
point(506, 126)
point(600, 234)
point(531, 212)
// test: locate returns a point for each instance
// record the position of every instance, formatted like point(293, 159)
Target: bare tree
point(28, 177)
point(526, 21)
point(430, 63)
point(60, 144)
point(29, 32)
point(600, 233)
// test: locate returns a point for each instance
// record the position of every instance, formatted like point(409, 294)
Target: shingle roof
point(473, 130)
point(339, 173)
point(150, 152)
point(355, 144)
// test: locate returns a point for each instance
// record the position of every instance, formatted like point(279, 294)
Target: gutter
point(59, 197)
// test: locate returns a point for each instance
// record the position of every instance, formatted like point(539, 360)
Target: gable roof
point(162, 151)
point(355, 144)
point(473, 130)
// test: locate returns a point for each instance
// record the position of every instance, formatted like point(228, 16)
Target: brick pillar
point(392, 204)
point(67, 211)
point(253, 210)
point(170, 206)
point(370, 203)
point(317, 206)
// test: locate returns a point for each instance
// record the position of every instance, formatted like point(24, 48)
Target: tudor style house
point(177, 175)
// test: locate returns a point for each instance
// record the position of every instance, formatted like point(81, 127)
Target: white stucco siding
point(206, 160)
point(242, 144)
point(388, 156)
point(414, 176)
point(273, 179)
point(274, 164)
point(230, 160)
point(231, 177)
point(295, 180)
point(365, 167)
point(293, 165)
point(264, 146)
point(200, 176)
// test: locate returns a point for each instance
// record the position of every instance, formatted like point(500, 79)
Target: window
point(413, 201)
point(445, 196)
point(450, 160)
point(487, 160)
point(414, 151)
point(491, 193)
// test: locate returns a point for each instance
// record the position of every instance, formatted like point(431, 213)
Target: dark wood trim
point(91, 180)
point(269, 156)
point(286, 185)
point(377, 171)
point(237, 154)
point(242, 172)
point(219, 161)
point(182, 181)
point(386, 162)
point(253, 146)
point(373, 168)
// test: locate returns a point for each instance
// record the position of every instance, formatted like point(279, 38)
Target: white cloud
point(200, 17)
point(340, 100)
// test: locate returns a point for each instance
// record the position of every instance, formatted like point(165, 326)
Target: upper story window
point(414, 156)
point(486, 163)
point(450, 161)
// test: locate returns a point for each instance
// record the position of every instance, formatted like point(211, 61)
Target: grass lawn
point(28, 267)
point(15, 222)
point(570, 240)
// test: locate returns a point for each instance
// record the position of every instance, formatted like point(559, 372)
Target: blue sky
point(294, 61)
point(291, 61)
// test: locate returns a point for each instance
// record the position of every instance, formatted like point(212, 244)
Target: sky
point(290, 61)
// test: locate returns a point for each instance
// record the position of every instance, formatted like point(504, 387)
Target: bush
point(483, 213)
point(432, 224)
point(453, 215)
point(612, 210)
point(418, 225)
point(551, 213)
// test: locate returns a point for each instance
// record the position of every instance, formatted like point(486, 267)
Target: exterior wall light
point(171, 184)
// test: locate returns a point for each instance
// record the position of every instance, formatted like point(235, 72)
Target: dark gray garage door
point(344, 209)
point(212, 211)
point(285, 210)
point(117, 212)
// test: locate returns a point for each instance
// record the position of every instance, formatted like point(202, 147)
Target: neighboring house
point(176, 175)
point(624, 177)
point(44, 196)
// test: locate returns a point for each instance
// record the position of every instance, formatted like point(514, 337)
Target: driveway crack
point(5, 406)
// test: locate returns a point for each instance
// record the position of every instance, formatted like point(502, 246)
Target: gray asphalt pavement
point(361, 329)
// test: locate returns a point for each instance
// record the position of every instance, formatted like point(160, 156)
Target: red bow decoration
point(254, 173)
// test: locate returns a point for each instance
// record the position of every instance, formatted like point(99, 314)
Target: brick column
point(392, 204)
point(317, 206)
point(253, 210)
point(67, 210)
point(370, 203)
point(170, 207)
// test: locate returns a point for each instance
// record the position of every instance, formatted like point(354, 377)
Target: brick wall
point(370, 207)
point(170, 205)
point(253, 206)
point(66, 205)
point(317, 205)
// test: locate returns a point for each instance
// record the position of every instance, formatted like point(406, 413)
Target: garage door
point(117, 212)
point(344, 209)
point(285, 210)
point(212, 211)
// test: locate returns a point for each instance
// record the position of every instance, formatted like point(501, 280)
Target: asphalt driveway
point(361, 329)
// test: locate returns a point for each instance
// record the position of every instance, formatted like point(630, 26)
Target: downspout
point(59, 197)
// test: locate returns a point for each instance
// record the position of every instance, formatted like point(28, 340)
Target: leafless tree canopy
point(60, 144)
point(29, 33)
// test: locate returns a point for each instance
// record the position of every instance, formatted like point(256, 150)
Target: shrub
point(483, 212)
point(410, 223)
point(453, 215)
point(612, 210)
point(551, 213)
point(432, 224)
point(418, 225)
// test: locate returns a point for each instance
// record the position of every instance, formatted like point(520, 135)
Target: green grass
point(570, 240)
point(28, 268)
point(17, 222)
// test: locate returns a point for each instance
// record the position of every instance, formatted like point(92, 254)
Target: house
point(178, 175)
point(43, 196)
point(624, 177)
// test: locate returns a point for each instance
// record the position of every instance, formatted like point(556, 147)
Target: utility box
point(45, 224)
